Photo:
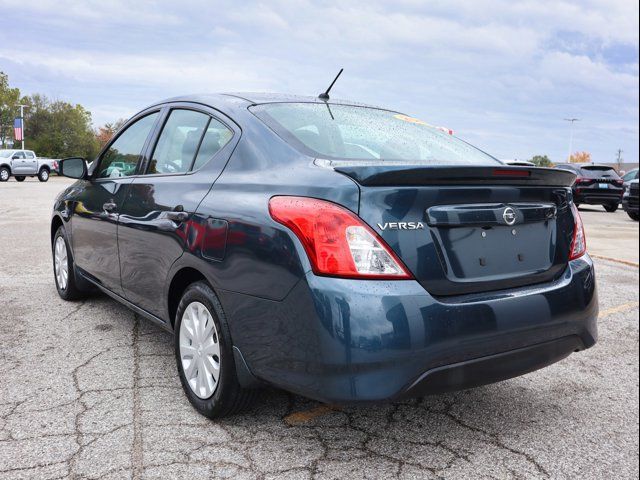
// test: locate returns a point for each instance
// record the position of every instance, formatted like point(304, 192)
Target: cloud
point(503, 74)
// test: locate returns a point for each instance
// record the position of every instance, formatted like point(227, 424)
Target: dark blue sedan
point(338, 251)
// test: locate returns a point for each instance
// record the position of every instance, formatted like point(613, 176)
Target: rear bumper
point(595, 196)
point(492, 368)
point(340, 340)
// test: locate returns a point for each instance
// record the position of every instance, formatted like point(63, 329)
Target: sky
point(502, 74)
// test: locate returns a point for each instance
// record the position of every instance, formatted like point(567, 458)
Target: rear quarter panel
point(258, 256)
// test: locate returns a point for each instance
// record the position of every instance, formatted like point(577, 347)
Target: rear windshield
point(348, 132)
point(596, 171)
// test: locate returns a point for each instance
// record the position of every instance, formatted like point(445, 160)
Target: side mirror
point(15, 157)
point(73, 167)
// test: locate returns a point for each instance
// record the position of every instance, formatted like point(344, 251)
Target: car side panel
point(261, 258)
point(94, 240)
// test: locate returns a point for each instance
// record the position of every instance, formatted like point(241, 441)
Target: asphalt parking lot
point(89, 390)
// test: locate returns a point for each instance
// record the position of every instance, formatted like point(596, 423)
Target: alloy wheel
point(61, 263)
point(4, 175)
point(200, 350)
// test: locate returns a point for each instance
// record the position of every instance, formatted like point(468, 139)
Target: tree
point(541, 161)
point(107, 131)
point(580, 157)
point(9, 100)
point(59, 129)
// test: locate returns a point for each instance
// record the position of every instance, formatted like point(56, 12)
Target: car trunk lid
point(468, 229)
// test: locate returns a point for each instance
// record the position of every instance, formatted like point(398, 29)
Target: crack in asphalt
point(497, 442)
point(136, 450)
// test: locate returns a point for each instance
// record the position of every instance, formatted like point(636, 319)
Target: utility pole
point(571, 122)
point(619, 159)
point(22, 121)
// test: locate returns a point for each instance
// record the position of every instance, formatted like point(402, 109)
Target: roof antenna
point(325, 96)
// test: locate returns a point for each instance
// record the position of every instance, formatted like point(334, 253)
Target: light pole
point(571, 122)
point(22, 121)
point(619, 160)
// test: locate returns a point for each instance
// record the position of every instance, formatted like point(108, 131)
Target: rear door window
point(178, 143)
point(188, 140)
point(216, 137)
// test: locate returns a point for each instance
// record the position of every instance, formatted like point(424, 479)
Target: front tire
point(204, 355)
point(63, 269)
point(5, 173)
point(612, 207)
point(633, 216)
point(43, 175)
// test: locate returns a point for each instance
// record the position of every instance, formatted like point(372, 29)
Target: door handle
point(109, 206)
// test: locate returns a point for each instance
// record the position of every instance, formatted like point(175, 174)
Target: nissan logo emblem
point(509, 216)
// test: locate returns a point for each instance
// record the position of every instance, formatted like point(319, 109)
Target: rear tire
point(205, 351)
point(66, 284)
point(634, 216)
point(43, 175)
point(5, 173)
point(20, 178)
point(612, 207)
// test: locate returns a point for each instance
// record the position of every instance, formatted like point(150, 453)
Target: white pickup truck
point(24, 163)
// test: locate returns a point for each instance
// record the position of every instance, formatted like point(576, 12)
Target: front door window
point(122, 156)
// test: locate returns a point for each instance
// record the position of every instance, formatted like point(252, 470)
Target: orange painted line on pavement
point(304, 416)
point(620, 308)
point(617, 260)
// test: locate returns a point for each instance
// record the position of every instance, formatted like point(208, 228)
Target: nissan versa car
point(596, 185)
point(338, 251)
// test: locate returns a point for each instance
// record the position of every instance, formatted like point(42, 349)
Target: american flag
point(17, 129)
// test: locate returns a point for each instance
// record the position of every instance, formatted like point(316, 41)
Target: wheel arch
point(6, 165)
point(56, 223)
point(180, 280)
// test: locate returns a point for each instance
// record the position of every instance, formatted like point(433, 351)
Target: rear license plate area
point(473, 254)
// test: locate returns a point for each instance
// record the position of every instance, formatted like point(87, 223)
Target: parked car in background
point(120, 169)
point(341, 252)
point(628, 177)
point(519, 163)
point(630, 200)
point(596, 185)
point(24, 163)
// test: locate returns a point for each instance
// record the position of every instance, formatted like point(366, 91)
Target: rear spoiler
point(414, 175)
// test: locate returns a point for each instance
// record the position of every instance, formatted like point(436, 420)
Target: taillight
point(620, 183)
point(338, 243)
point(582, 180)
point(579, 242)
point(505, 172)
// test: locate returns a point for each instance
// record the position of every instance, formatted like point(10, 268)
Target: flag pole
point(22, 122)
